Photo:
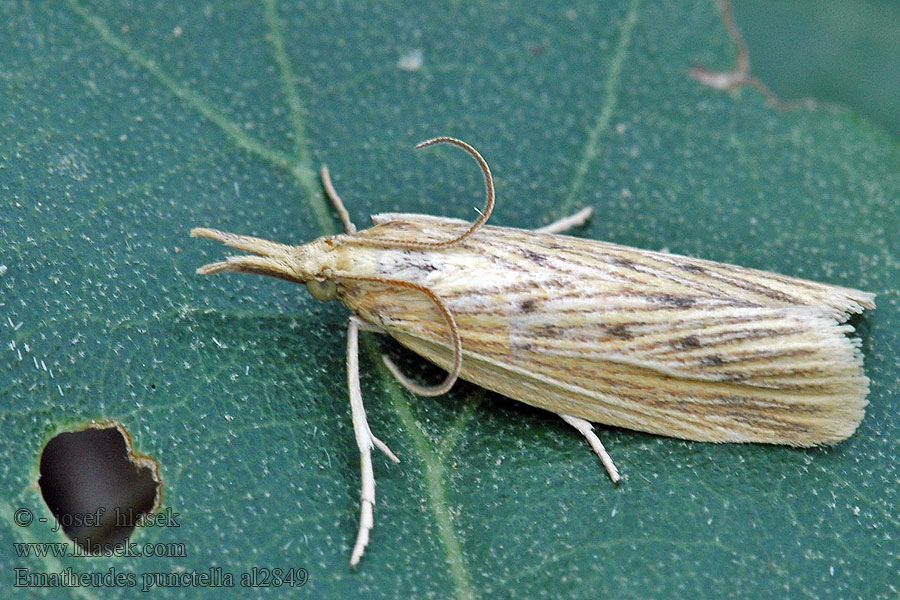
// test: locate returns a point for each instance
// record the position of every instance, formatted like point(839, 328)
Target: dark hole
point(94, 489)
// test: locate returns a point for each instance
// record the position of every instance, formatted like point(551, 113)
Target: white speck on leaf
point(411, 61)
point(71, 164)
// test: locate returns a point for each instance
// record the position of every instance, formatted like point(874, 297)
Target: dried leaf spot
point(97, 488)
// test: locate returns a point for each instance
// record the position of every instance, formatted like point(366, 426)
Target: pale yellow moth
point(588, 330)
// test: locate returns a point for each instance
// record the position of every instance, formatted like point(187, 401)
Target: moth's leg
point(587, 430)
point(349, 227)
point(566, 223)
point(363, 326)
point(365, 440)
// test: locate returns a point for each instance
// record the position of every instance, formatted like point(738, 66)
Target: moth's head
point(299, 264)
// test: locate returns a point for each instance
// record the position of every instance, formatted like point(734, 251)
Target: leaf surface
point(124, 126)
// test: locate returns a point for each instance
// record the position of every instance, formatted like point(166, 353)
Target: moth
point(591, 331)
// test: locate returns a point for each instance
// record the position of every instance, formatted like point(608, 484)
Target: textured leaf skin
point(120, 134)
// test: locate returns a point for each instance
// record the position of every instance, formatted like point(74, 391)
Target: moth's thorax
point(362, 256)
point(320, 258)
point(441, 270)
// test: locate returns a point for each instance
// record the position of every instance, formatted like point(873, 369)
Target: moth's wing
point(786, 376)
point(671, 277)
point(645, 340)
point(675, 274)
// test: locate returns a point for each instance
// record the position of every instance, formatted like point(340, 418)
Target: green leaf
point(833, 50)
point(125, 126)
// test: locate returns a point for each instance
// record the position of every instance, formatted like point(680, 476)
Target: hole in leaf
point(96, 486)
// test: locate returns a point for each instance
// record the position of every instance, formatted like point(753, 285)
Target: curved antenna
point(483, 214)
point(453, 374)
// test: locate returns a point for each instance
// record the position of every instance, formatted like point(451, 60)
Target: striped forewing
point(645, 340)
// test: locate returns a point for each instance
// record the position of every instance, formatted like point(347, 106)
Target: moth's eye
point(322, 290)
